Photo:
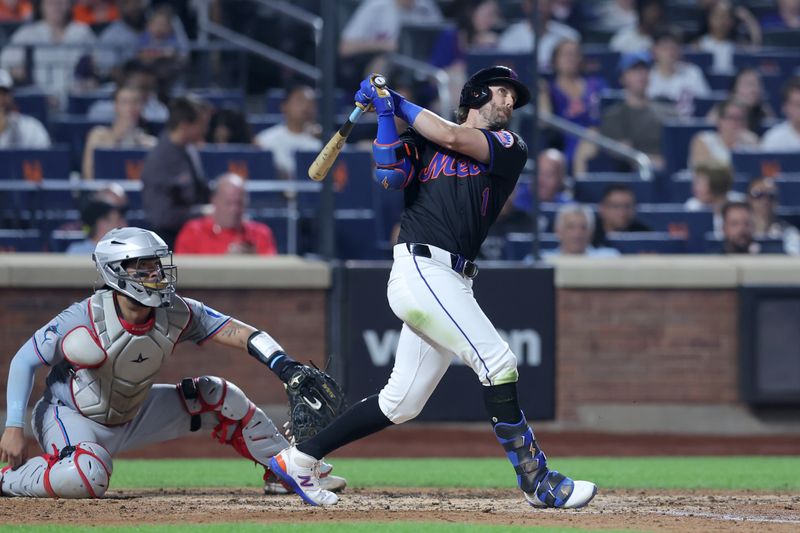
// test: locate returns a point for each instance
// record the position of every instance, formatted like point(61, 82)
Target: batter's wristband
point(404, 109)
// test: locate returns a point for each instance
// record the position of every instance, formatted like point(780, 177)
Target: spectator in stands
point(636, 121)
point(229, 126)
point(52, 69)
point(374, 30)
point(98, 217)
point(511, 219)
point(785, 137)
point(92, 12)
point(16, 10)
point(763, 198)
point(574, 227)
point(174, 184)
point(120, 40)
point(673, 79)
point(298, 131)
point(731, 134)
point(650, 15)
point(572, 95)
point(787, 17)
point(712, 188)
point(124, 132)
point(159, 39)
point(518, 38)
point(133, 73)
point(226, 230)
point(616, 213)
point(475, 30)
point(18, 130)
point(737, 229)
point(551, 174)
point(747, 90)
point(615, 15)
point(721, 39)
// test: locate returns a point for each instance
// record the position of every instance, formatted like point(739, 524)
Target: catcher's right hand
point(315, 399)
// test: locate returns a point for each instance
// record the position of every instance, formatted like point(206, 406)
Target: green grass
point(736, 473)
point(245, 527)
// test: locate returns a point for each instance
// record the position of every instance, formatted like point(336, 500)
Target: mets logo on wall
point(505, 137)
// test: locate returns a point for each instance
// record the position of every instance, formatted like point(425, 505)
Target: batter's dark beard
point(494, 119)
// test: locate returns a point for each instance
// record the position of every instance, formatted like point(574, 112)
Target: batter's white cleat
point(557, 490)
point(301, 472)
point(273, 484)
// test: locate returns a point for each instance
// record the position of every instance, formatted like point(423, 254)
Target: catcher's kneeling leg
point(81, 471)
point(240, 423)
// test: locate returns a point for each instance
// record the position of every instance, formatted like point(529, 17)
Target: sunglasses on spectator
point(763, 194)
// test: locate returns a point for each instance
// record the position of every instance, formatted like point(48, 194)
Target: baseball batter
point(456, 178)
point(104, 354)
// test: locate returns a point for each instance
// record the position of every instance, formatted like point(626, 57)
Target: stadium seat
point(520, 245)
point(718, 81)
point(79, 104)
point(646, 242)
point(20, 240)
point(601, 61)
point(72, 130)
point(352, 176)
point(343, 100)
point(218, 98)
point(703, 104)
point(35, 164)
point(675, 220)
point(703, 60)
point(790, 214)
point(679, 186)
point(789, 190)
point(590, 188)
point(260, 121)
point(675, 139)
point(758, 164)
point(248, 161)
point(119, 163)
point(279, 226)
point(32, 101)
point(421, 40)
point(785, 38)
point(60, 240)
point(357, 237)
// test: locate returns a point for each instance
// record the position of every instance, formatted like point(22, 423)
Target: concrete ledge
point(675, 272)
point(194, 272)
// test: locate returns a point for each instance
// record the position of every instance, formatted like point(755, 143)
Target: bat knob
point(379, 81)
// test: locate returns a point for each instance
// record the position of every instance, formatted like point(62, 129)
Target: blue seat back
point(72, 130)
point(119, 163)
point(757, 164)
point(647, 242)
point(590, 190)
point(518, 246)
point(789, 191)
point(352, 175)
point(248, 161)
point(35, 164)
point(675, 138)
point(21, 240)
point(675, 220)
point(32, 101)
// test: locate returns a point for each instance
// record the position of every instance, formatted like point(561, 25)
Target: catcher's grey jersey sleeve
point(204, 323)
point(42, 349)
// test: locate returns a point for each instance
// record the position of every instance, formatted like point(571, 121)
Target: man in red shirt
point(225, 230)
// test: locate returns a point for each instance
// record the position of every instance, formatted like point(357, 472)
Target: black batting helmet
point(476, 91)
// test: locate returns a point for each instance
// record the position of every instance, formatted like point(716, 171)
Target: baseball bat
point(324, 161)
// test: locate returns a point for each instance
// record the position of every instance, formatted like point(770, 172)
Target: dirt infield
point(613, 509)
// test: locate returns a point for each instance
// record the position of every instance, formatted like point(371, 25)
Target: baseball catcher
point(104, 354)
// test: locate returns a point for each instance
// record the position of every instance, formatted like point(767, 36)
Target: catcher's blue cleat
point(542, 487)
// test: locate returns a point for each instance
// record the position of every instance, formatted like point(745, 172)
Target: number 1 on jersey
point(485, 201)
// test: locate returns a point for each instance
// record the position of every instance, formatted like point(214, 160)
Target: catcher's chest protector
point(115, 368)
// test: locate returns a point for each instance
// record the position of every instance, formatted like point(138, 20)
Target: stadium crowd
point(101, 93)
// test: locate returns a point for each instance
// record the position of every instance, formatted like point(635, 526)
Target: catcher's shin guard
point(81, 471)
point(240, 423)
point(542, 487)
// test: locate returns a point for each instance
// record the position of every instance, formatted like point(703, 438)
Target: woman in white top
point(720, 40)
point(124, 132)
point(731, 134)
point(53, 65)
point(748, 90)
point(672, 78)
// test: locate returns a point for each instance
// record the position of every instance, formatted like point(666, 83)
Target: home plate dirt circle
point(640, 510)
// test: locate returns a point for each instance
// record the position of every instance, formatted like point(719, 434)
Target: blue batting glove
point(362, 99)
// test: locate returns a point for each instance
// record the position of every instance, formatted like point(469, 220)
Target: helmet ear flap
point(475, 95)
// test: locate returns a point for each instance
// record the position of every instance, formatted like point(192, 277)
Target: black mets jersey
point(454, 199)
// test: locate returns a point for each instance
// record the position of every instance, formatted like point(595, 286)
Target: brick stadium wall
point(640, 346)
point(296, 318)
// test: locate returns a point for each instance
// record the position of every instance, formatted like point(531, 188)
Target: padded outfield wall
point(641, 343)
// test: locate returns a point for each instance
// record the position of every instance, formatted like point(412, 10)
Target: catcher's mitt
point(315, 399)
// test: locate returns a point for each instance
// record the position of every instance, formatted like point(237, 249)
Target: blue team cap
point(633, 59)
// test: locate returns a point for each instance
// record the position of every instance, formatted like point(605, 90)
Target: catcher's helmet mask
point(476, 91)
point(121, 248)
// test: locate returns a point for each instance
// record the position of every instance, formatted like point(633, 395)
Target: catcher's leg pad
point(81, 471)
point(240, 423)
